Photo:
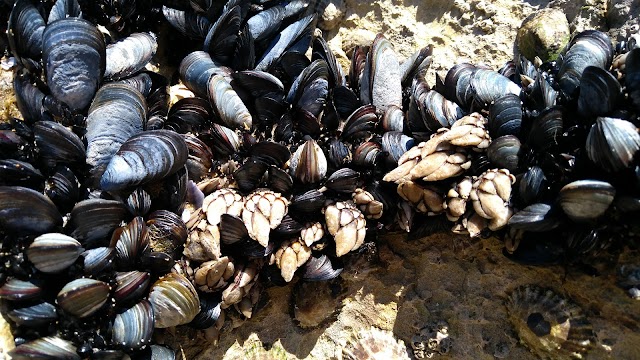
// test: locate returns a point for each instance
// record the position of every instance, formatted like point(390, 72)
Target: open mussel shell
point(53, 252)
point(133, 328)
point(93, 220)
point(505, 116)
point(167, 231)
point(586, 200)
point(58, 143)
point(504, 152)
point(45, 348)
point(308, 163)
point(612, 143)
point(117, 112)
point(74, 54)
point(130, 55)
point(24, 210)
point(549, 324)
point(232, 229)
point(83, 297)
point(536, 217)
point(34, 315)
point(174, 300)
point(600, 92)
point(98, 260)
point(146, 157)
point(19, 290)
point(320, 268)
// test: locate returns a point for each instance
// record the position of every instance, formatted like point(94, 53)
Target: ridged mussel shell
point(174, 300)
point(53, 252)
point(34, 315)
point(24, 210)
point(505, 116)
point(19, 290)
point(117, 112)
point(145, 157)
point(504, 152)
point(45, 348)
point(133, 328)
point(58, 143)
point(83, 297)
point(549, 324)
point(308, 163)
point(612, 143)
point(92, 220)
point(74, 54)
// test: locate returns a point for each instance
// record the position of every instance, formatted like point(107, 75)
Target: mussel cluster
point(131, 202)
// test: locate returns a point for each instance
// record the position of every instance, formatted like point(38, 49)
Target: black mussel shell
point(189, 115)
point(63, 189)
point(289, 227)
point(188, 22)
point(537, 217)
point(504, 152)
point(26, 211)
point(138, 202)
point(74, 54)
point(232, 229)
point(129, 55)
point(360, 124)
point(130, 286)
point(288, 36)
point(546, 129)
point(133, 328)
point(505, 116)
point(600, 92)
point(58, 144)
point(83, 297)
point(20, 173)
point(130, 242)
point(19, 290)
point(612, 143)
point(209, 313)
point(220, 41)
point(586, 200)
point(532, 185)
point(195, 71)
point(45, 348)
point(250, 174)
point(93, 220)
point(145, 157)
point(98, 260)
point(308, 203)
point(34, 315)
point(279, 180)
point(167, 232)
point(271, 153)
point(200, 158)
point(320, 268)
point(25, 30)
point(53, 252)
point(343, 180)
point(339, 154)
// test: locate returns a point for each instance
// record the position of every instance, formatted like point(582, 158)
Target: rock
point(622, 16)
point(332, 14)
point(544, 34)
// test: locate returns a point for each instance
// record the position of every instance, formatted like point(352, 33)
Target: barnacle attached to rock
point(223, 201)
point(347, 225)
point(311, 233)
point(245, 276)
point(203, 243)
point(375, 344)
point(431, 340)
point(549, 324)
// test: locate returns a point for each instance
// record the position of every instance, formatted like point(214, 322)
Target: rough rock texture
point(411, 283)
point(544, 33)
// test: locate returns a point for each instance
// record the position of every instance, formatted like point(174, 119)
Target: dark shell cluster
point(131, 202)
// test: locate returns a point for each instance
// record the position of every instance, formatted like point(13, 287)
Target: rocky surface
point(409, 284)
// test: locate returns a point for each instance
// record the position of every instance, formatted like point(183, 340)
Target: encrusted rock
point(543, 34)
